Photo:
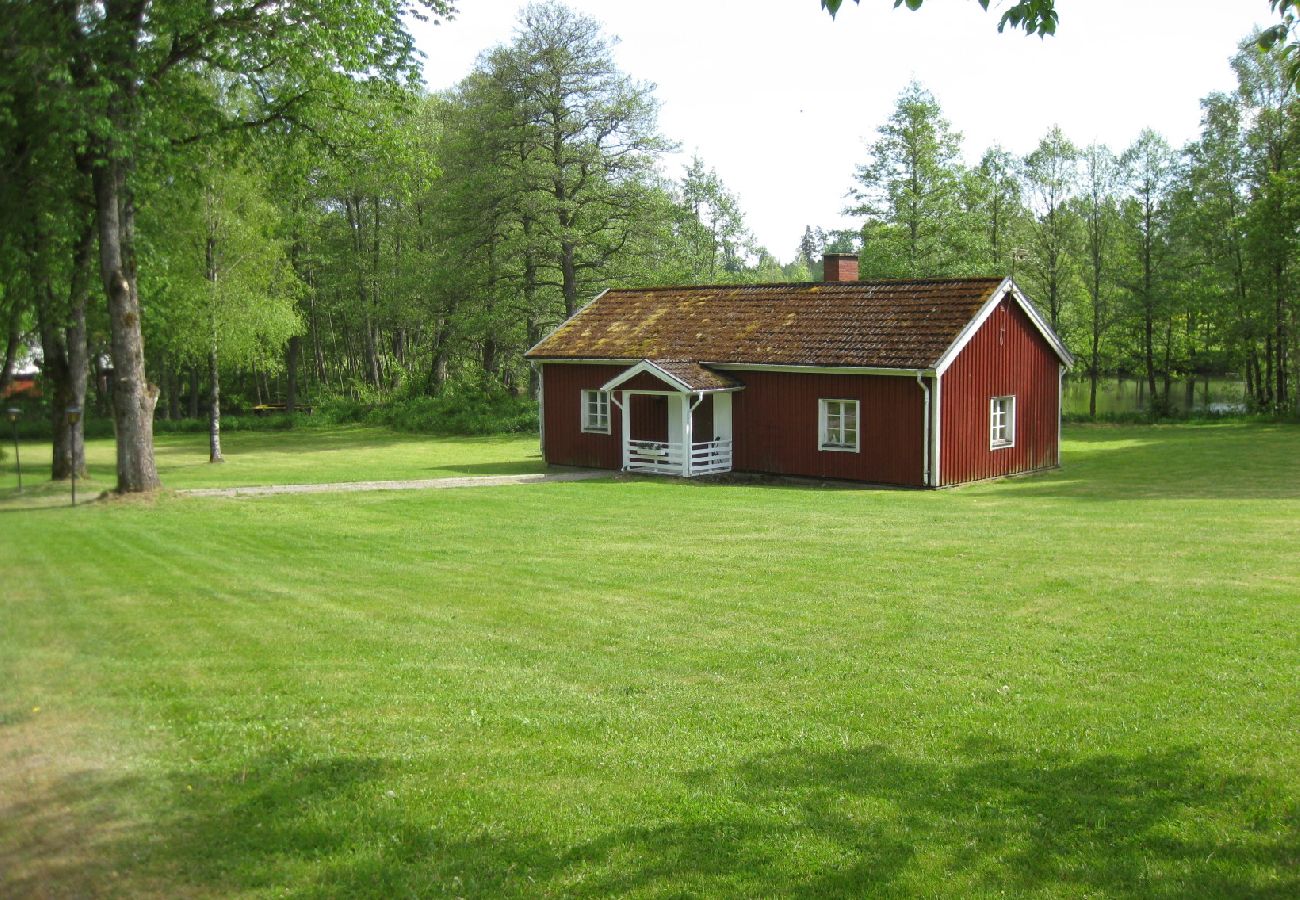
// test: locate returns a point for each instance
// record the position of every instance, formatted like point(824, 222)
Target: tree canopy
point(1033, 16)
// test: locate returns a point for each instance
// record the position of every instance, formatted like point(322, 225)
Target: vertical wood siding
point(1007, 356)
point(566, 443)
point(776, 426)
point(649, 417)
point(702, 423)
point(645, 382)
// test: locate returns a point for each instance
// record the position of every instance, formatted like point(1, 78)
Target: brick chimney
point(840, 267)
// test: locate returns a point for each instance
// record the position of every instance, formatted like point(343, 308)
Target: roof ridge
point(805, 284)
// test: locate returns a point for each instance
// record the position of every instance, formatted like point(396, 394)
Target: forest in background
point(337, 237)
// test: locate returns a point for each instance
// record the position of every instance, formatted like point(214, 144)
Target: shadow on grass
point(847, 823)
point(997, 819)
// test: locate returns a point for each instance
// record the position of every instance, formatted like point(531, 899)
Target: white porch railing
point(663, 458)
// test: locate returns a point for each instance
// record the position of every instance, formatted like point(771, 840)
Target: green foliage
point(218, 264)
point(910, 193)
point(1033, 16)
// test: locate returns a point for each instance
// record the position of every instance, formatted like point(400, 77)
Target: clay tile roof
point(886, 324)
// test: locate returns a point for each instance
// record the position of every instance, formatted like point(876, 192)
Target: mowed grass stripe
point(1076, 684)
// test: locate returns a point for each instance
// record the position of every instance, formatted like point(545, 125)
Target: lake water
point(1125, 395)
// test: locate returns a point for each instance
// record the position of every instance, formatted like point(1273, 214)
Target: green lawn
point(280, 457)
point(1079, 684)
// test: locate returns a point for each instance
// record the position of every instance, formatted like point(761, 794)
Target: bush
point(274, 422)
point(458, 413)
point(459, 409)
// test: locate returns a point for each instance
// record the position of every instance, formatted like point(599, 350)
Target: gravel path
point(424, 484)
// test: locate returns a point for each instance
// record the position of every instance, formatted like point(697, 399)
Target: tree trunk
point(569, 275)
point(133, 396)
point(214, 369)
point(534, 374)
point(292, 352)
point(194, 392)
point(63, 345)
point(317, 350)
point(175, 385)
point(57, 377)
point(75, 338)
point(214, 415)
point(1280, 337)
point(11, 346)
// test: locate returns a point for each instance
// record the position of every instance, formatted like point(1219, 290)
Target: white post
point(722, 416)
point(688, 432)
point(626, 415)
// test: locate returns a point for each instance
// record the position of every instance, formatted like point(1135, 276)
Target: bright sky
point(783, 101)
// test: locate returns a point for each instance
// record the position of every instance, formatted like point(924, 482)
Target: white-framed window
point(838, 429)
point(1002, 422)
point(595, 411)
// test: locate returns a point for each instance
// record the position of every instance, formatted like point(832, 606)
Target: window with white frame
point(1002, 422)
point(595, 411)
point(839, 425)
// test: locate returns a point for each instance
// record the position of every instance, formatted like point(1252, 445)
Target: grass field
point(346, 453)
point(1077, 684)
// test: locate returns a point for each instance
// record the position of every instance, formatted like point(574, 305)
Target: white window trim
point(822, 408)
point(1010, 441)
point(602, 404)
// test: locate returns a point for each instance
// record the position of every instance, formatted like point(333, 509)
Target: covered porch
point(676, 417)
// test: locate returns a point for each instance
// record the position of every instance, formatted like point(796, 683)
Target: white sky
point(782, 100)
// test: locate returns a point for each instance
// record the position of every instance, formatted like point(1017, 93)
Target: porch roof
point(684, 375)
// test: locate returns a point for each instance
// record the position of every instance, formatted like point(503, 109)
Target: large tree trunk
point(569, 277)
point(133, 396)
point(63, 345)
point(13, 337)
point(75, 337)
point(57, 377)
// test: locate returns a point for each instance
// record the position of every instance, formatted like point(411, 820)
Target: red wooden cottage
point(921, 383)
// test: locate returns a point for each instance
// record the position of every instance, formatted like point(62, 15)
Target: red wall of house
point(1007, 356)
point(649, 417)
point(774, 423)
point(564, 442)
point(775, 426)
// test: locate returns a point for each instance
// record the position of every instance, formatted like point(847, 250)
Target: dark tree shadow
point(995, 818)
point(1096, 825)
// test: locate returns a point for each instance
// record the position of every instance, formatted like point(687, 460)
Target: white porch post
point(688, 436)
point(722, 416)
point(625, 410)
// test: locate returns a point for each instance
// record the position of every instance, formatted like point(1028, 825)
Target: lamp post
point(12, 414)
point(74, 416)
